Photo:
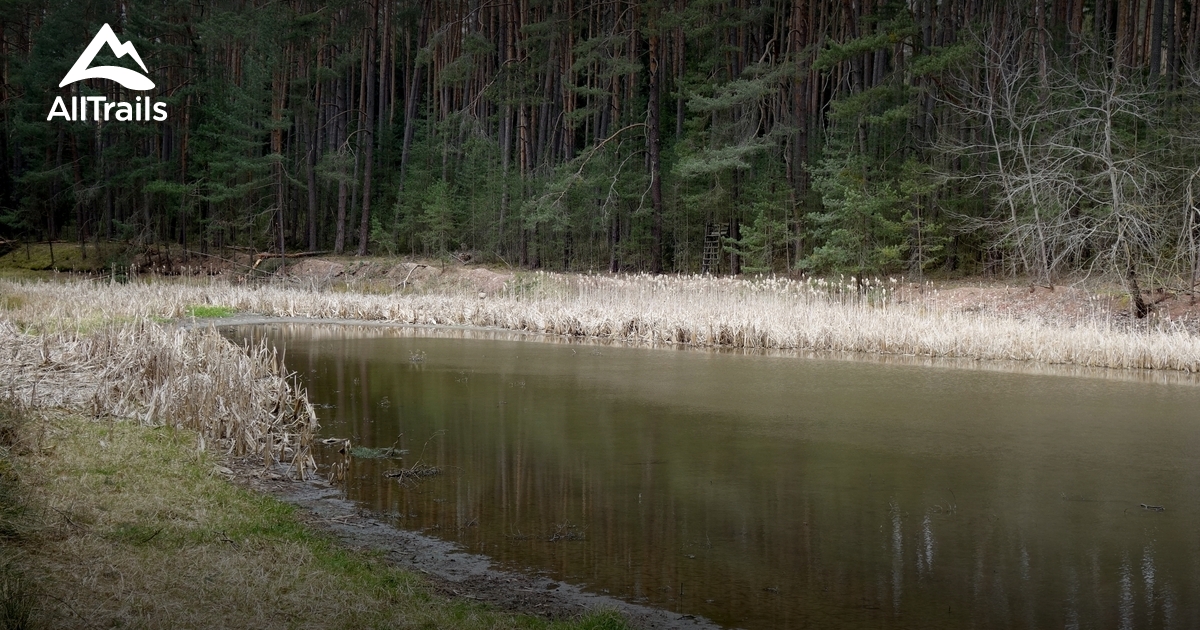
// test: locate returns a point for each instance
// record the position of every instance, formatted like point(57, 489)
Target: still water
point(778, 491)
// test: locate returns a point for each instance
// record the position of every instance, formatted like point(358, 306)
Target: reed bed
point(239, 398)
point(845, 315)
point(341, 330)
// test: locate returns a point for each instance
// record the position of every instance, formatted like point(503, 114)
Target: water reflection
point(777, 492)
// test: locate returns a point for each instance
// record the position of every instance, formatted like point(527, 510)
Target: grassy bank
point(872, 317)
point(113, 524)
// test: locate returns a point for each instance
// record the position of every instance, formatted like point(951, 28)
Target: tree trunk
point(1137, 305)
point(411, 102)
point(368, 129)
point(735, 234)
point(80, 221)
point(310, 142)
point(655, 159)
point(1156, 32)
point(277, 104)
point(614, 239)
point(1174, 17)
point(506, 129)
point(341, 96)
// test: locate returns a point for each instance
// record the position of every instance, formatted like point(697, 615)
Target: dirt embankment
point(396, 275)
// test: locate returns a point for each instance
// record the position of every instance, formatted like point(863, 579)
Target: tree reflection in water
point(774, 491)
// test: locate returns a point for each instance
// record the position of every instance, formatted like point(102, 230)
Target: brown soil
point(317, 268)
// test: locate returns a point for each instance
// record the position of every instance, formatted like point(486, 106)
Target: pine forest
point(1036, 138)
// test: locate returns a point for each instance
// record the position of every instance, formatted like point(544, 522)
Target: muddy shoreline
point(451, 571)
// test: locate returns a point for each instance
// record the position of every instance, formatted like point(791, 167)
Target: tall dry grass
point(772, 313)
point(239, 398)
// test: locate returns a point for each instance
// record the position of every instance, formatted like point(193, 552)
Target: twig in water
point(566, 531)
point(418, 470)
point(415, 472)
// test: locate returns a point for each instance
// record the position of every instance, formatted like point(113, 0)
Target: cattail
point(812, 314)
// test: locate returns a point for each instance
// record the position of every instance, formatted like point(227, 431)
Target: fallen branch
point(258, 258)
point(192, 252)
point(404, 283)
point(417, 471)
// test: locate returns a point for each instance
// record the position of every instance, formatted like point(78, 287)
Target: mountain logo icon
point(124, 76)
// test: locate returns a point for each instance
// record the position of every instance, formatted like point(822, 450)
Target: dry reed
point(195, 379)
point(772, 313)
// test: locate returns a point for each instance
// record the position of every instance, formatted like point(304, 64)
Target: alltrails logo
point(142, 109)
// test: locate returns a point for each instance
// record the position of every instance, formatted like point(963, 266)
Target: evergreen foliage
point(1033, 137)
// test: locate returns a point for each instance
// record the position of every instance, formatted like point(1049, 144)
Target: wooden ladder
point(711, 261)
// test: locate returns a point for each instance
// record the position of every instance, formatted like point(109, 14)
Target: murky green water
point(780, 492)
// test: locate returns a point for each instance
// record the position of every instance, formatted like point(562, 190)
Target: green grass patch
point(208, 310)
point(68, 257)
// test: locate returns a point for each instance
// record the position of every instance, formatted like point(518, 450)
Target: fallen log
point(404, 283)
point(258, 258)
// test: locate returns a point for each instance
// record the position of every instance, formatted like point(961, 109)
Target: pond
point(765, 491)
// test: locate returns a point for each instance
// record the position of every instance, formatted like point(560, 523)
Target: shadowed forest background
point(855, 136)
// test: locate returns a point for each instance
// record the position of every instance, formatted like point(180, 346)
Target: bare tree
point(1061, 157)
